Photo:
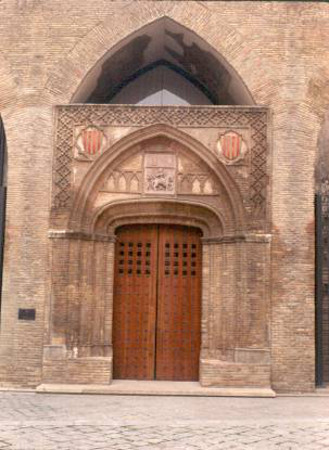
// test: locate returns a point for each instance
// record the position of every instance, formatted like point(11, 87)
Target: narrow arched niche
point(163, 63)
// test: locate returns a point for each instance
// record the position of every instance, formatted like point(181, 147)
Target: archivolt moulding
point(151, 210)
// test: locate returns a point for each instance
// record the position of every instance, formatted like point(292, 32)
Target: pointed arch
point(164, 41)
point(83, 212)
point(79, 70)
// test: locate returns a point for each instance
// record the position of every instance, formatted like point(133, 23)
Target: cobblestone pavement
point(30, 421)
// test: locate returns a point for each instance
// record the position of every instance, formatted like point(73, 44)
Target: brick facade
point(280, 54)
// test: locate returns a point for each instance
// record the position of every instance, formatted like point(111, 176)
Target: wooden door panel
point(134, 314)
point(178, 333)
point(157, 303)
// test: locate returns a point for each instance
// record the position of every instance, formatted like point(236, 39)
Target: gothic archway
point(164, 52)
point(201, 167)
point(159, 175)
point(84, 215)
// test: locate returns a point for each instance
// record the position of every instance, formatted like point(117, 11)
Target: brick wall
point(280, 51)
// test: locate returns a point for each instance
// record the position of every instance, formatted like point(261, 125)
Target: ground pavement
point(30, 421)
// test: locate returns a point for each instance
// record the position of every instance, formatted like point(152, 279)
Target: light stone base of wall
point(230, 374)
point(60, 369)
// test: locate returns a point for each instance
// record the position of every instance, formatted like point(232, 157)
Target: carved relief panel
point(160, 173)
point(169, 172)
point(237, 137)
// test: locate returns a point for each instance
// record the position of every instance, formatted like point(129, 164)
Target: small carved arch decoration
point(103, 172)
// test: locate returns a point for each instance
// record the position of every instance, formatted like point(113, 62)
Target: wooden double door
point(157, 303)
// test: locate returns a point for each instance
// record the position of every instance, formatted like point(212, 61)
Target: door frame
point(172, 212)
point(236, 244)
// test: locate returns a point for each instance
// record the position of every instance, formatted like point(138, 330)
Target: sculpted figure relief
point(160, 181)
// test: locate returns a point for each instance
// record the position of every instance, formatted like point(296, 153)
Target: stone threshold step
point(175, 388)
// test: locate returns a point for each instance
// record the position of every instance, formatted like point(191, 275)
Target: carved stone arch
point(84, 211)
point(152, 211)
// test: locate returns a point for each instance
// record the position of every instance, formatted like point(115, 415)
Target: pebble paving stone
point(30, 421)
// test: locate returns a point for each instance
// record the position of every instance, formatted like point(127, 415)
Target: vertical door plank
point(134, 306)
point(178, 334)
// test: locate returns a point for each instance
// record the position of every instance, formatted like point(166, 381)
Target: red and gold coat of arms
point(231, 147)
point(90, 143)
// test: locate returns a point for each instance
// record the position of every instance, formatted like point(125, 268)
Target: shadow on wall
point(3, 184)
point(322, 162)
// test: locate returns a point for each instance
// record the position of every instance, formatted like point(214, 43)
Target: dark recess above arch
point(114, 90)
point(167, 43)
